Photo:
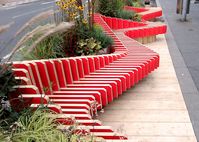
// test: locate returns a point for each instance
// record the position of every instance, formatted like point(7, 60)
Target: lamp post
point(186, 5)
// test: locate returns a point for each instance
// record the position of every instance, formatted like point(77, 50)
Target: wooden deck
point(154, 110)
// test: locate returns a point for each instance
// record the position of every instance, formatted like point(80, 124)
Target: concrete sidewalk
point(154, 110)
point(183, 41)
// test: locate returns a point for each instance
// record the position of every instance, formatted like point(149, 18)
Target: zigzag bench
point(146, 13)
point(80, 86)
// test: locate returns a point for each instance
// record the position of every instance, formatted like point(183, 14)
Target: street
point(14, 17)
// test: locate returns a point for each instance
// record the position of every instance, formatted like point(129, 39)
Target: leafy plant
point(88, 46)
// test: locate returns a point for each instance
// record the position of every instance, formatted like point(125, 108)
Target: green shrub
point(41, 126)
point(115, 8)
point(137, 4)
point(37, 127)
point(104, 7)
point(129, 2)
point(7, 82)
point(110, 7)
point(134, 3)
point(124, 14)
point(77, 38)
point(98, 34)
point(51, 47)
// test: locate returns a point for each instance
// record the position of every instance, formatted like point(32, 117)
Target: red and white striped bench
point(77, 87)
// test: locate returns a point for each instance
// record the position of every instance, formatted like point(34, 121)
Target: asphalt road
point(15, 17)
point(183, 42)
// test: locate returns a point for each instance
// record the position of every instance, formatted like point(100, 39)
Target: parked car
point(147, 2)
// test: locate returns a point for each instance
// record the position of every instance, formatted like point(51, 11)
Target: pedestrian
point(196, 2)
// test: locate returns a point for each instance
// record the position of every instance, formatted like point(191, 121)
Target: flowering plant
point(72, 8)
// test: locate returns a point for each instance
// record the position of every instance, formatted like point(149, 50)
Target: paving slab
point(154, 110)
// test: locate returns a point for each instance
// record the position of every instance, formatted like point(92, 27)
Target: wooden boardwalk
point(154, 110)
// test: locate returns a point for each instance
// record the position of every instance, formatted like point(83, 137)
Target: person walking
point(196, 2)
